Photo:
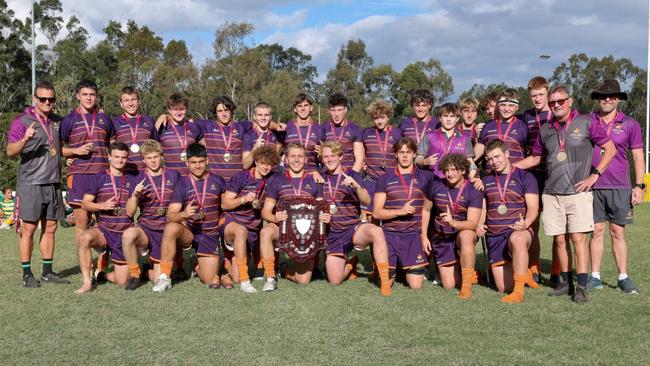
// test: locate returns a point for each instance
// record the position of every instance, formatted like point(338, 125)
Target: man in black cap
point(613, 196)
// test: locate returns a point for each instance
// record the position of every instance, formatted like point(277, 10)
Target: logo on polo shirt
point(213, 187)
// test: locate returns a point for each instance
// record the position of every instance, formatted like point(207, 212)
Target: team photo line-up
point(145, 189)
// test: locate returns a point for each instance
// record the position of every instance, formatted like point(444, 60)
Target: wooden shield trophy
point(302, 235)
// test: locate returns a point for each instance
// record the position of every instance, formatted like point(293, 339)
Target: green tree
point(15, 74)
point(428, 75)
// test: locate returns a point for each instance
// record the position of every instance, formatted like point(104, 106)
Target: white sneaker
point(270, 284)
point(247, 287)
point(164, 283)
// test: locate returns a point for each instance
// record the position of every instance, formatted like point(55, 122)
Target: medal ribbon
point(338, 138)
point(418, 135)
point(134, 132)
point(403, 182)
point(556, 125)
point(383, 147)
point(260, 189)
point(118, 195)
point(306, 142)
point(89, 130)
point(296, 193)
point(446, 144)
point(201, 198)
point(46, 125)
point(454, 203)
point(502, 192)
point(223, 134)
point(336, 188)
point(183, 141)
point(268, 135)
point(505, 135)
point(160, 196)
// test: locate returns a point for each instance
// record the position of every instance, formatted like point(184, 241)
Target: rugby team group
point(419, 195)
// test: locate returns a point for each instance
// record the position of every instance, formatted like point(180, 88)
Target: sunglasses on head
point(45, 99)
point(559, 102)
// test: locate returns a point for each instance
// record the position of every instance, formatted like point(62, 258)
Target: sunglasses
point(45, 99)
point(559, 102)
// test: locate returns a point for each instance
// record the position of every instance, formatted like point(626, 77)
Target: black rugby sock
point(47, 266)
point(27, 268)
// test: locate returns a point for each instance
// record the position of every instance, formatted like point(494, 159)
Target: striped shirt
point(438, 143)
point(515, 137)
point(242, 184)
point(440, 195)
point(416, 129)
point(534, 121)
point(134, 131)
point(298, 134)
point(281, 186)
point(344, 197)
point(223, 142)
point(174, 139)
point(269, 138)
point(521, 183)
point(380, 149)
point(103, 189)
point(184, 194)
point(397, 195)
point(149, 202)
point(347, 134)
point(74, 133)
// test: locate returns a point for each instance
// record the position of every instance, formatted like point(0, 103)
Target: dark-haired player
point(346, 132)
point(305, 131)
point(345, 194)
point(422, 122)
point(133, 128)
point(458, 208)
point(512, 203)
point(107, 195)
point(151, 196)
point(401, 204)
point(242, 202)
point(193, 221)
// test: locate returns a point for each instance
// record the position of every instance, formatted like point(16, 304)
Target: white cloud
point(583, 20)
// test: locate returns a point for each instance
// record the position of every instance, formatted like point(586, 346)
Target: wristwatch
point(640, 185)
point(596, 171)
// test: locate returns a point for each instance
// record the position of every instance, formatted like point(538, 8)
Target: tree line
point(133, 54)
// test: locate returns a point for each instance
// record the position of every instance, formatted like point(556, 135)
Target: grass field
point(318, 324)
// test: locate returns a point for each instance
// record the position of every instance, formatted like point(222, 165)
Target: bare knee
point(129, 236)
point(50, 227)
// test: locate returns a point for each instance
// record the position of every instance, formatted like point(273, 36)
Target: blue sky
point(480, 41)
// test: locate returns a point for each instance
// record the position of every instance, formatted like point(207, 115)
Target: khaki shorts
point(568, 213)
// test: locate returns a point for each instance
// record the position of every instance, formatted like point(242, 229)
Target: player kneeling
point(152, 196)
point(345, 194)
point(512, 203)
point(458, 205)
point(402, 205)
point(106, 195)
point(193, 221)
point(242, 204)
point(294, 183)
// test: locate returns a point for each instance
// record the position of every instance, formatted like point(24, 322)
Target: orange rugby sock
point(134, 270)
point(467, 276)
point(242, 267)
point(166, 267)
point(517, 294)
point(269, 267)
point(351, 265)
point(530, 282)
point(102, 262)
point(535, 267)
point(384, 281)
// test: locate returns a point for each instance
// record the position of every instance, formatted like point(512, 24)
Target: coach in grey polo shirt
point(34, 136)
point(567, 142)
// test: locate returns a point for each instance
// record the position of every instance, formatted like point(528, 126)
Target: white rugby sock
point(622, 276)
point(595, 275)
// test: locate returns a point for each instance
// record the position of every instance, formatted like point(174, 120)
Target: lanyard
point(617, 118)
point(502, 192)
point(260, 189)
point(556, 125)
point(383, 147)
point(183, 141)
point(338, 138)
point(118, 195)
point(446, 144)
point(200, 198)
point(223, 134)
point(306, 142)
point(418, 135)
point(268, 135)
point(336, 188)
point(160, 195)
point(454, 203)
point(89, 129)
point(403, 182)
point(46, 125)
point(505, 135)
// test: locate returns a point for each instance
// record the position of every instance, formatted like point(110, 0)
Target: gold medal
point(561, 156)
point(160, 211)
point(333, 209)
point(117, 211)
point(256, 204)
point(201, 214)
point(52, 151)
point(135, 148)
point(184, 156)
point(502, 209)
point(91, 147)
point(383, 164)
point(226, 157)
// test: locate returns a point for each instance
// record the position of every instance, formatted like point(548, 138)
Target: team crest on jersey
point(213, 187)
point(308, 186)
point(420, 259)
